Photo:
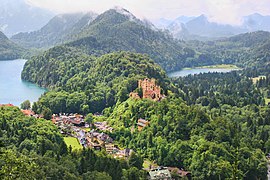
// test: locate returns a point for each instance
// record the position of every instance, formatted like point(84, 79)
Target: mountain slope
point(246, 50)
point(8, 49)
point(55, 31)
point(116, 30)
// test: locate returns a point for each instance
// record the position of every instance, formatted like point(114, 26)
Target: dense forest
point(216, 125)
point(212, 143)
point(83, 83)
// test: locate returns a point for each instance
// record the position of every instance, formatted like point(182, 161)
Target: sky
point(221, 11)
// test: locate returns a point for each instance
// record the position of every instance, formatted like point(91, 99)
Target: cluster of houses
point(74, 119)
point(74, 125)
point(97, 141)
point(9, 105)
point(103, 126)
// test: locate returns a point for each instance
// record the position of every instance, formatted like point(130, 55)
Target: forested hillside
point(34, 149)
point(114, 30)
point(83, 83)
point(8, 49)
point(54, 32)
point(245, 50)
point(224, 135)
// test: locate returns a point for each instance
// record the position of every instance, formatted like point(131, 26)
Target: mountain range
point(114, 30)
point(201, 28)
point(119, 30)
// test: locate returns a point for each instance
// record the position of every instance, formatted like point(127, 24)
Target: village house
point(76, 120)
point(125, 153)
point(160, 173)
point(103, 126)
point(142, 123)
point(28, 112)
point(9, 105)
point(111, 148)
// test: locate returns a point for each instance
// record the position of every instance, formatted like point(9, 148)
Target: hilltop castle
point(149, 90)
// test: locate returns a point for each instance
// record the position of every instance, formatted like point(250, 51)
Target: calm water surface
point(186, 72)
point(14, 90)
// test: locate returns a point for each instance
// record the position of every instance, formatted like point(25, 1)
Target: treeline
point(215, 89)
point(34, 149)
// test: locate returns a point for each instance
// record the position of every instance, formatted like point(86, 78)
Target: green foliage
point(96, 175)
point(89, 118)
point(26, 105)
point(16, 166)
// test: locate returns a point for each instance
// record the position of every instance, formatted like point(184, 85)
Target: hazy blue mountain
point(18, 16)
point(162, 23)
point(55, 31)
point(184, 19)
point(8, 49)
point(255, 22)
point(201, 29)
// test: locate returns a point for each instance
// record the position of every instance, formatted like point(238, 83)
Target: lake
point(14, 90)
point(185, 72)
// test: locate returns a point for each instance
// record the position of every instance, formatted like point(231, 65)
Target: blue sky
point(221, 11)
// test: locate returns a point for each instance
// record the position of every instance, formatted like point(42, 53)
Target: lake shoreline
point(14, 89)
point(216, 66)
point(222, 68)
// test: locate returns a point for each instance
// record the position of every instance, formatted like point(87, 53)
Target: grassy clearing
point(73, 142)
point(254, 80)
point(147, 163)
point(87, 129)
point(267, 100)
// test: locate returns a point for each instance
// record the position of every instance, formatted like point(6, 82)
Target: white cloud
point(222, 11)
